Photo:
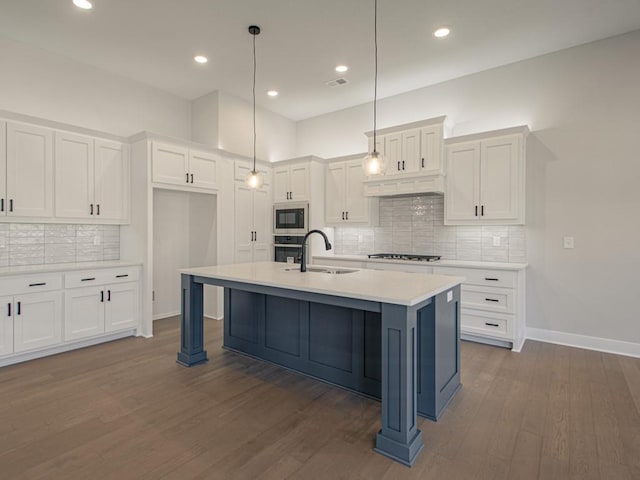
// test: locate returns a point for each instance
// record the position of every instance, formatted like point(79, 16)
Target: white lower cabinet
point(51, 312)
point(37, 320)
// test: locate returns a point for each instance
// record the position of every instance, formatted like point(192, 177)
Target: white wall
point(583, 105)
point(225, 121)
point(46, 85)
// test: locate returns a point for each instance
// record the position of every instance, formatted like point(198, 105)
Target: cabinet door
point(462, 197)
point(356, 204)
point(29, 171)
point(335, 192)
point(121, 306)
point(499, 186)
point(281, 184)
point(6, 325)
point(431, 143)
point(204, 168)
point(299, 182)
point(84, 312)
point(411, 151)
point(74, 174)
point(112, 181)
point(243, 223)
point(169, 164)
point(262, 225)
point(393, 152)
point(37, 320)
point(3, 168)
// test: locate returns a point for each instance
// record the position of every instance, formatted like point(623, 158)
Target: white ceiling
point(154, 41)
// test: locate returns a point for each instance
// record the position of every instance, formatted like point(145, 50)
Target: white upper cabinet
point(411, 151)
point(112, 180)
point(486, 179)
point(291, 182)
point(91, 178)
point(184, 167)
point(393, 151)
point(3, 168)
point(345, 202)
point(29, 171)
point(431, 148)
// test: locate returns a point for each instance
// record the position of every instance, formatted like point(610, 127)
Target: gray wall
point(583, 106)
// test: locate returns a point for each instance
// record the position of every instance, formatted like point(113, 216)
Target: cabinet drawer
point(30, 284)
point(486, 298)
point(87, 278)
point(489, 324)
point(482, 276)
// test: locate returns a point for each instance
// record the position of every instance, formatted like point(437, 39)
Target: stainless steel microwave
point(291, 218)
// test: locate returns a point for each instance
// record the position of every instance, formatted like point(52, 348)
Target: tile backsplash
point(37, 244)
point(416, 225)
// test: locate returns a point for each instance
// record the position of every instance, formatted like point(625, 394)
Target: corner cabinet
point(92, 179)
point(345, 202)
point(184, 167)
point(485, 183)
point(291, 182)
point(26, 165)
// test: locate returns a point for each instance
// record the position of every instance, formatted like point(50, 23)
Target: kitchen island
point(389, 335)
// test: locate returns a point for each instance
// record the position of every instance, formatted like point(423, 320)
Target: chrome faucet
point(303, 259)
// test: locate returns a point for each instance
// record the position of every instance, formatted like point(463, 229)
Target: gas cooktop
point(405, 256)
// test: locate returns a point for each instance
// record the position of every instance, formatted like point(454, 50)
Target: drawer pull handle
point(489, 279)
point(19, 308)
point(492, 300)
point(42, 284)
point(108, 295)
point(122, 276)
point(101, 296)
point(8, 309)
point(491, 324)
point(87, 279)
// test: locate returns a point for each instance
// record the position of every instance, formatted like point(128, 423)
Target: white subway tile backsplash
point(416, 225)
point(34, 244)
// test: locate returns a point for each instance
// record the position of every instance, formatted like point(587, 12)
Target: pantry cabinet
point(252, 224)
point(291, 182)
point(28, 171)
point(91, 179)
point(345, 202)
point(184, 167)
point(486, 179)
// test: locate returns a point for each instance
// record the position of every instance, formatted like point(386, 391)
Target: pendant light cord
point(375, 76)
point(254, 103)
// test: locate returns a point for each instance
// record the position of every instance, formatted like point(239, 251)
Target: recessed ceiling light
point(441, 32)
point(201, 59)
point(272, 93)
point(341, 68)
point(83, 4)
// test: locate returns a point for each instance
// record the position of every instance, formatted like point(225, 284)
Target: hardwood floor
point(126, 410)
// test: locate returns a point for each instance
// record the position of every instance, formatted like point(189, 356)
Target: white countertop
point(400, 288)
point(437, 263)
point(63, 267)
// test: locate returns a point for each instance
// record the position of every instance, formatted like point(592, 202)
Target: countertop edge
point(64, 267)
point(438, 263)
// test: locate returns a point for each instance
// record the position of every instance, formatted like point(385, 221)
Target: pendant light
point(254, 178)
point(374, 163)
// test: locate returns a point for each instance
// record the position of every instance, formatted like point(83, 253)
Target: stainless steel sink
point(329, 270)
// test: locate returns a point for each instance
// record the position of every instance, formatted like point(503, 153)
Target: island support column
point(192, 329)
point(399, 437)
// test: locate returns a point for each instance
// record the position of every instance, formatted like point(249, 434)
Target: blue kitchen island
point(389, 335)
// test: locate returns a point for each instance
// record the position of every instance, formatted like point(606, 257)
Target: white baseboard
point(606, 345)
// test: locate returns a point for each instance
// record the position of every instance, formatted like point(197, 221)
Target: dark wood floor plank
point(126, 410)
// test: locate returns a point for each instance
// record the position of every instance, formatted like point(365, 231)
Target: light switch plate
point(449, 296)
point(496, 241)
point(567, 242)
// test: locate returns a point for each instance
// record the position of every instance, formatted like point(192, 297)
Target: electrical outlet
point(567, 242)
point(496, 241)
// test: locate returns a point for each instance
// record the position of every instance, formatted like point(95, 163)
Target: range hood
point(394, 185)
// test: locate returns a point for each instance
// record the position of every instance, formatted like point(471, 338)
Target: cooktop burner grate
point(405, 256)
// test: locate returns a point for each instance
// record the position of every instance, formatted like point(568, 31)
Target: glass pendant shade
point(254, 179)
point(374, 164)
